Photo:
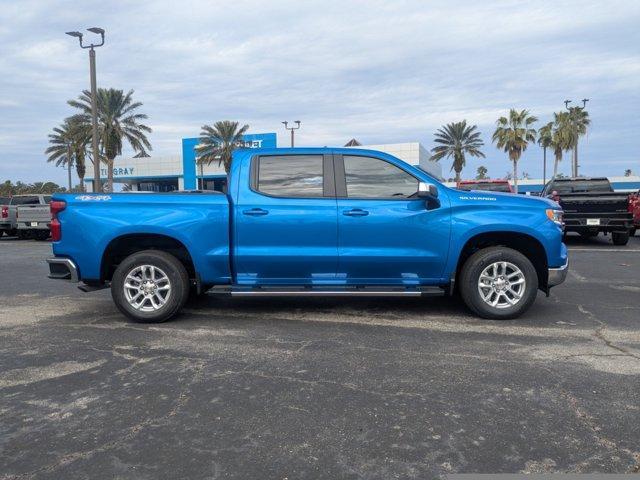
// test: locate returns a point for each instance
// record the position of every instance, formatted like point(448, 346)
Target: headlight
point(555, 216)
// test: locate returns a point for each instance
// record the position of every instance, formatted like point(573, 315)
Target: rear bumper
point(62, 269)
point(606, 222)
point(38, 226)
point(557, 275)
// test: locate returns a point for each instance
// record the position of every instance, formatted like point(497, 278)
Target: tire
point(12, 233)
point(620, 238)
point(165, 265)
point(1, 233)
point(500, 256)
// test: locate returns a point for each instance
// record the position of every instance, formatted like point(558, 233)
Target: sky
point(379, 71)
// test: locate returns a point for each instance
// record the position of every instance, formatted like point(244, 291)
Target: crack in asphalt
point(599, 333)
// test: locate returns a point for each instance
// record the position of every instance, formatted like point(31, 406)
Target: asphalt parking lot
point(319, 388)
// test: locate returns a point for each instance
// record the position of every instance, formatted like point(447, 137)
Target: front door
point(286, 222)
point(386, 235)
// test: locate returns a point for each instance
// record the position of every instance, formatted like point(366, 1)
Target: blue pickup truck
point(311, 221)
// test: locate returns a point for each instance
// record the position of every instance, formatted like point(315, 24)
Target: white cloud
point(378, 71)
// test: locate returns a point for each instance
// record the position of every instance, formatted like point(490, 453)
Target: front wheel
point(620, 238)
point(498, 283)
point(150, 286)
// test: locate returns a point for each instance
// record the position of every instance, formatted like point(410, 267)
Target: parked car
point(33, 216)
point(308, 221)
point(486, 185)
point(634, 208)
point(7, 222)
point(9, 211)
point(592, 206)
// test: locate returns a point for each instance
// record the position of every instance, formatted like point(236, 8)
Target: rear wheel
point(150, 286)
point(498, 283)
point(620, 238)
point(12, 233)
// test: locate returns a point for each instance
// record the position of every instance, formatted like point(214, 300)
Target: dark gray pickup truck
point(592, 206)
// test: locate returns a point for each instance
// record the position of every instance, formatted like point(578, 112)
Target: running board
point(319, 292)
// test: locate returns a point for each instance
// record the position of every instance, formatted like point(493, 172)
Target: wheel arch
point(524, 243)
point(127, 244)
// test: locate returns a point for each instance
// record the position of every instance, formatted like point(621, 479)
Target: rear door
point(386, 235)
point(286, 221)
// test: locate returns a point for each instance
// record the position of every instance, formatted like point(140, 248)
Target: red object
point(5, 212)
point(634, 207)
point(56, 207)
point(488, 185)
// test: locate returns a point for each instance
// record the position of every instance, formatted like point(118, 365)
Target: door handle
point(356, 212)
point(255, 212)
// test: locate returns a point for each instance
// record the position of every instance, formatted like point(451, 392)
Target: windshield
point(577, 186)
point(489, 187)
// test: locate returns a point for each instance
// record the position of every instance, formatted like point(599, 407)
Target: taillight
point(56, 206)
point(5, 212)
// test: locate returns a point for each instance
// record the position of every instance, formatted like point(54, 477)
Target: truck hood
point(506, 199)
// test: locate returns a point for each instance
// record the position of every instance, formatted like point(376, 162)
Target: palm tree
point(579, 121)
point(60, 150)
point(118, 121)
point(545, 140)
point(69, 143)
point(513, 134)
point(481, 173)
point(455, 140)
point(218, 142)
point(562, 138)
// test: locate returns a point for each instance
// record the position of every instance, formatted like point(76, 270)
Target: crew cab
point(592, 206)
point(486, 185)
point(311, 221)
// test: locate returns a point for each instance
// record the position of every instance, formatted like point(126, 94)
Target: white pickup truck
point(33, 216)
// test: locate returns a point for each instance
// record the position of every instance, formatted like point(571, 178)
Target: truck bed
point(90, 223)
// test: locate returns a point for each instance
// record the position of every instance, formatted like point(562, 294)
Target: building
point(175, 172)
point(180, 172)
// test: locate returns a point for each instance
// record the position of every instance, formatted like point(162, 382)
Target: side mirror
point(427, 190)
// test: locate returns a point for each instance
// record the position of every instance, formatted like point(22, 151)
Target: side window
point(290, 176)
point(368, 177)
point(47, 199)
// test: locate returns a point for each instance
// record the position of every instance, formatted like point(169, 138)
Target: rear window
point(5, 200)
point(577, 186)
point(489, 187)
point(47, 198)
point(25, 200)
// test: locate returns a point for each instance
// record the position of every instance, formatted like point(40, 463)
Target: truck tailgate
point(594, 203)
point(34, 213)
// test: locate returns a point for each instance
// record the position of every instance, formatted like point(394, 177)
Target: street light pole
point(297, 122)
point(94, 101)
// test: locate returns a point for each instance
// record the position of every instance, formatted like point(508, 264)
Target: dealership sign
point(118, 171)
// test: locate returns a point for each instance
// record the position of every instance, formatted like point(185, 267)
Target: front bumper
point(557, 275)
point(62, 269)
